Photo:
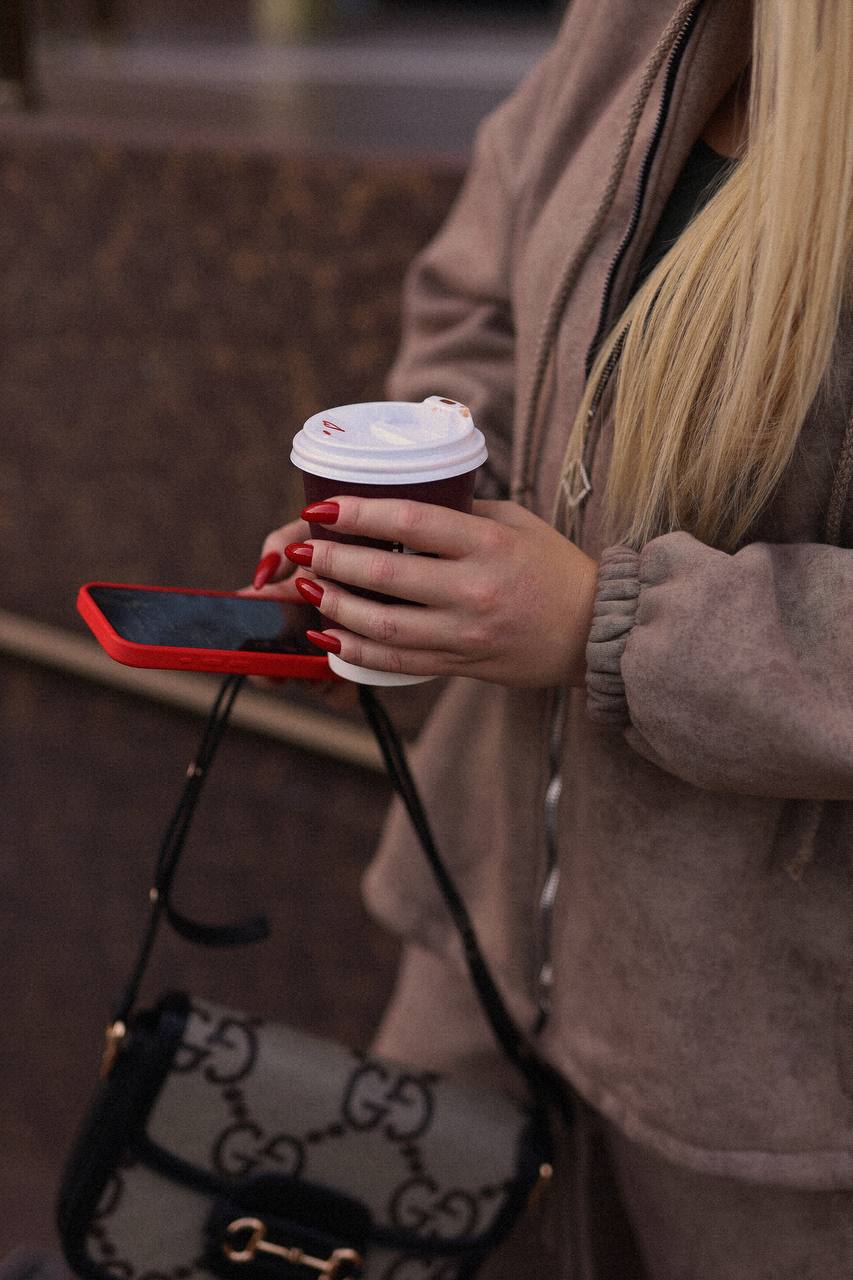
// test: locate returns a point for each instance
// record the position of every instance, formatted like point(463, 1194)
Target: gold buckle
point(114, 1037)
point(343, 1263)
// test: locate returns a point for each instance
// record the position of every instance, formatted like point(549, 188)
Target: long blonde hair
point(725, 346)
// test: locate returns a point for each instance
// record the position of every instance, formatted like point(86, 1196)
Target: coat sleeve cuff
point(614, 615)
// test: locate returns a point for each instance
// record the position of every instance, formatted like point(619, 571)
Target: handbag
point(219, 1144)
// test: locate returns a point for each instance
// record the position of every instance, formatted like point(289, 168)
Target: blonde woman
point(646, 789)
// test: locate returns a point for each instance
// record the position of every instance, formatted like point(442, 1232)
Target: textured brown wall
point(167, 320)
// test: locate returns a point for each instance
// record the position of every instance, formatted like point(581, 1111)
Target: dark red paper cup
point(425, 452)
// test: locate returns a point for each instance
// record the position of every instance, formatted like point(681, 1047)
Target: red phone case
point(296, 666)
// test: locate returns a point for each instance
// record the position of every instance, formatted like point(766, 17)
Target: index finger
point(418, 526)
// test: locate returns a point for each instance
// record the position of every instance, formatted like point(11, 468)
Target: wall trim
point(255, 711)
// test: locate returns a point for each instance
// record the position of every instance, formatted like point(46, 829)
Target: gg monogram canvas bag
point(219, 1144)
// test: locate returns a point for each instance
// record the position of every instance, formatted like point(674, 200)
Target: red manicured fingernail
point(322, 512)
point(265, 569)
point(310, 591)
point(324, 641)
point(299, 552)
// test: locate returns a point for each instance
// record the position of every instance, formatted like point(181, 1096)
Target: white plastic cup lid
point(390, 442)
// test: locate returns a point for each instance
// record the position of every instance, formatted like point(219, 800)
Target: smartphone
point(187, 630)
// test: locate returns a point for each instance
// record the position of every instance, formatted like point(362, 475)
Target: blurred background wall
point(206, 211)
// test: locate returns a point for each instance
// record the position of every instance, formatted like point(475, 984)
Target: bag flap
point(439, 1166)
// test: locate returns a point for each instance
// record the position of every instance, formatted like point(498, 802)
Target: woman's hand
point(273, 573)
point(508, 599)
point(274, 578)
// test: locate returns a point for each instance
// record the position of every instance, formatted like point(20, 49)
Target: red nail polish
point(322, 512)
point(265, 569)
point(299, 552)
point(324, 641)
point(310, 591)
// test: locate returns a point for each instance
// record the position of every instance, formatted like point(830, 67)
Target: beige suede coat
point(698, 821)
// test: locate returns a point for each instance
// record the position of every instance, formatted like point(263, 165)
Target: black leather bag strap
point(168, 857)
point(543, 1081)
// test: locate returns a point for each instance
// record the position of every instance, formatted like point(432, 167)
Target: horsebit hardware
point(342, 1264)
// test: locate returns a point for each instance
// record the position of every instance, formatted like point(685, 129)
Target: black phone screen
point(187, 621)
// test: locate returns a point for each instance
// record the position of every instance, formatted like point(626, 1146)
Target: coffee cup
point(426, 452)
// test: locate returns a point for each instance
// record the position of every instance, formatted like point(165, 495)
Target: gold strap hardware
point(342, 1263)
point(114, 1038)
point(546, 1173)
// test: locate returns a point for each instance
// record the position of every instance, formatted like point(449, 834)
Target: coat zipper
point(606, 374)
point(553, 791)
point(670, 75)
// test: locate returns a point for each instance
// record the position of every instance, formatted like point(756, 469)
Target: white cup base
point(363, 675)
